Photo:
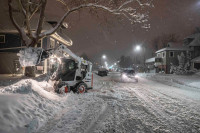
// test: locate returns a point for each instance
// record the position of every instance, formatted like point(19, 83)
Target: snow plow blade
point(31, 56)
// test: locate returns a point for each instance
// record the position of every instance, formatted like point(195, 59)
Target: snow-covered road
point(112, 106)
point(147, 106)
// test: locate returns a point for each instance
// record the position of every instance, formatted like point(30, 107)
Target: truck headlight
point(124, 76)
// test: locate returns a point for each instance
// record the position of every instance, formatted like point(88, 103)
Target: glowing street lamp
point(104, 56)
point(138, 48)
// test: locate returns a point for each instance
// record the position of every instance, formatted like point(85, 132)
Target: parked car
point(129, 74)
point(102, 72)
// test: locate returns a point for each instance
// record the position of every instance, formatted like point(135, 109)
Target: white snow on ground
point(25, 106)
point(187, 80)
point(112, 106)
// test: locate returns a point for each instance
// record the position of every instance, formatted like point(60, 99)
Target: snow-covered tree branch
point(133, 10)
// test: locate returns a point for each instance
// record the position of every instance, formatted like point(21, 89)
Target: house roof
point(196, 41)
point(182, 48)
point(192, 36)
point(6, 25)
point(150, 60)
point(196, 60)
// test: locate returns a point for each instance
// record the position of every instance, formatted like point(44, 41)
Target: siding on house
point(167, 60)
point(196, 51)
point(11, 41)
point(9, 63)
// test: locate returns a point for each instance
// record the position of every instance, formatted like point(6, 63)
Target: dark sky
point(118, 38)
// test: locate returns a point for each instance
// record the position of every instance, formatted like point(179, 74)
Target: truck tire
point(81, 88)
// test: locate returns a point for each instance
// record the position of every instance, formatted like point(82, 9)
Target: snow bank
point(25, 106)
point(29, 56)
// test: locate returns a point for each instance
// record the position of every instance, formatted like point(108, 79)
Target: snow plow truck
point(69, 71)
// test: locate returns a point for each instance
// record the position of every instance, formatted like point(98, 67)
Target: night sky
point(118, 38)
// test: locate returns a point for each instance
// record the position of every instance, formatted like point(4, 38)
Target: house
point(169, 55)
point(11, 44)
point(193, 42)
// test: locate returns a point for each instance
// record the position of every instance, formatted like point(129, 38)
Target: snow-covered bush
point(184, 64)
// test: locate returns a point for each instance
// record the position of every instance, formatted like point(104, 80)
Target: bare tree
point(133, 10)
point(162, 41)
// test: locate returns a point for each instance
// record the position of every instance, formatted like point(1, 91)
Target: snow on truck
point(70, 72)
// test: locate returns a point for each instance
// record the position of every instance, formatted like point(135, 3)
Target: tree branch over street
point(134, 10)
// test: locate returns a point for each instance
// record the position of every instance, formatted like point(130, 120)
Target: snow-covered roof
point(196, 41)
point(182, 48)
point(63, 38)
point(196, 60)
point(150, 60)
point(192, 36)
point(6, 25)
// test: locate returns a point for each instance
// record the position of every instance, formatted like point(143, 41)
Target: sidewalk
point(187, 80)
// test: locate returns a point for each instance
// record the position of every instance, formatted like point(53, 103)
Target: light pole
point(103, 58)
point(140, 48)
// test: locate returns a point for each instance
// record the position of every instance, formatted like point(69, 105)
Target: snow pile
point(29, 56)
point(26, 106)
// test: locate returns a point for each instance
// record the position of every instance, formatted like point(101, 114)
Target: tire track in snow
point(176, 123)
point(154, 109)
point(100, 117)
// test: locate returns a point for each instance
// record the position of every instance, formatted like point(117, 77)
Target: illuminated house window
point(2, 38)
point(52, 43)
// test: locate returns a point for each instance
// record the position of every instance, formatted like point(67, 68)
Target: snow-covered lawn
point(187, 80)
point(112, 106)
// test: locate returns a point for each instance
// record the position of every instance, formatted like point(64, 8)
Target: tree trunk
point(30, 71)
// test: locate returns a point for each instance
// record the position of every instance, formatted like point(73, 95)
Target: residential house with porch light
point(11, 44)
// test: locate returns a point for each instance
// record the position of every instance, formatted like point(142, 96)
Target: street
point(146, 106)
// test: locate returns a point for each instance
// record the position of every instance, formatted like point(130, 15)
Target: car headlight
point(136, 76)
point(124, 76)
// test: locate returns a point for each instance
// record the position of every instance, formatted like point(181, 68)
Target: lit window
point(171, 54)
point(52, 43)
point(2, 38)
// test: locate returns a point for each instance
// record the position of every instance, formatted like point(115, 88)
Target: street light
point(142, 49)
point(104, 56)
point(106, 64)
point(138, 48)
